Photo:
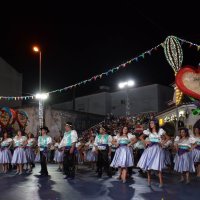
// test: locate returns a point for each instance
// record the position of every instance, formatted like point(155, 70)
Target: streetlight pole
point(126, 85)
point(41, 113)
point(41, 97)
point(40, 71)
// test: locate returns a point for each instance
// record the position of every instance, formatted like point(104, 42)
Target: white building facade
point(151, 98)
point(10, 84)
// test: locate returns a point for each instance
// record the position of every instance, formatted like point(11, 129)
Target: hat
point(45, 128)
point(68, 124)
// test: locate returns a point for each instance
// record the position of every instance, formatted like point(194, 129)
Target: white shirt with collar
point(44, 141)
point(69, 138)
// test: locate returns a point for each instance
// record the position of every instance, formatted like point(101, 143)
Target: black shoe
point(71, 178)
point(44, 175)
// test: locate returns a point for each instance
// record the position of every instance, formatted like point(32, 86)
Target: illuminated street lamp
point(125, 85)
point(37, 50)
point(40, 96)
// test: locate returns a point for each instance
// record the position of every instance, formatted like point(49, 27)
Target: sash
point(182, 151)
point(152, 144)
point(3, 148)
point(197, 147)
point(122, 145)
point(154, 140)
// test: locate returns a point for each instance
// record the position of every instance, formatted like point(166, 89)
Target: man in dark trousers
point(44, 142)
point(68, 143)
point(103, 150)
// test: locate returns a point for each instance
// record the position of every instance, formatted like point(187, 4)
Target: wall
point(142, 99)
point(96, 104)
point(10, 84)
point(56, 119)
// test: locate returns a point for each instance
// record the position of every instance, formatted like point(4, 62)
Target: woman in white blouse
point(30, 151)
point(19, 156)
point(196, 149)
point(183, 159)
point(123, 156)
point(153, 156)
point(5, 153)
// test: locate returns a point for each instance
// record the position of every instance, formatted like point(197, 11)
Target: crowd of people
point(112, 147)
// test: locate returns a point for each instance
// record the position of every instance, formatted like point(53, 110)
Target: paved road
point(87, 186)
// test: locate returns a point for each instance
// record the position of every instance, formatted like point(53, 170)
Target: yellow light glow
point(161, 121)
point(36, 49)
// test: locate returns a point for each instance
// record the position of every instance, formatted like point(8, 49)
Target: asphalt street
point(87, 186)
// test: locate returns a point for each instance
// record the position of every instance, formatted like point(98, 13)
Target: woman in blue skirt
point(196, 150)
point(183, 162)
point(30, 151)
point(5, 153)
point(19, 156)
point(123, 157)
point(153, 156)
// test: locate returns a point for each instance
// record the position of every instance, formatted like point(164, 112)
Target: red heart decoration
point(188, 81)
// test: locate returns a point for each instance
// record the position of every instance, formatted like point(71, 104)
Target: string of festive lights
point(190, 43)
point(110, 71)
point(9, 98)
point(104, 74)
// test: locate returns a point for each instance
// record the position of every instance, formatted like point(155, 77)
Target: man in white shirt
point(68, 143)
point(44, 142)
point(102, 143)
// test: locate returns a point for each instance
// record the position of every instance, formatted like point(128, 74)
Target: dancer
point(44, 142)
point(138, 151)
point(166, 144)
point(90, 152)
point(113, 150)
point(124, 155)
point(58, 158)
point(19, 155)
point(196, 150)
point(68, 144)
point(5, 153)
point(30, 152)
point(80, 147)
point(183, 158)
point(153, 156)
point(37, 154)
point(102, 144)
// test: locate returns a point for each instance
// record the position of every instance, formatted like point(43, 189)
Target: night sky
point(81, 40)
